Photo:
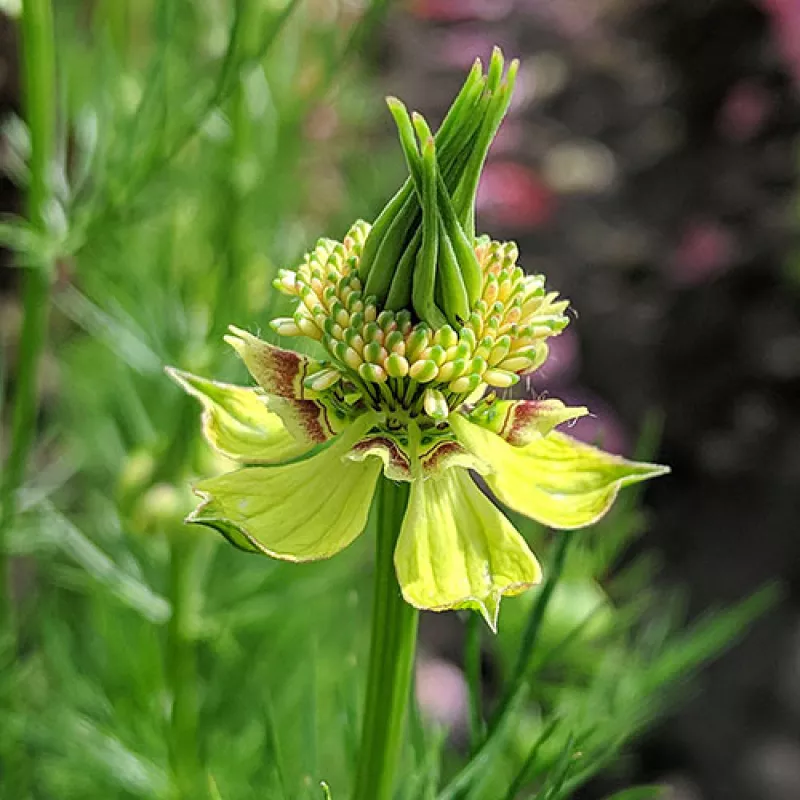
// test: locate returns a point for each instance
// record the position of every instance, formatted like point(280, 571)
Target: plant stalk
point(40, 92)
point(182, 667)
point(391, 659)
point(39, 84)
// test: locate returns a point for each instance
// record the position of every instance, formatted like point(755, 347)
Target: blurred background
point(648, 167)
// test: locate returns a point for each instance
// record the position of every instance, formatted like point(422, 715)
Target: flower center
point(402, 367)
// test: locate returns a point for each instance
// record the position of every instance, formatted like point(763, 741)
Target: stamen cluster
point(411, 365)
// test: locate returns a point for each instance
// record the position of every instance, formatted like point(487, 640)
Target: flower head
point(418, 323)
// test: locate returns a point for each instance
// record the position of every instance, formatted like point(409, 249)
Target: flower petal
point(457, 550)
point(521, 421)
point(554, 479)
point(312, 421)
point(238, 423)
point(438, 450)
point(392, 450)
point(278, 371)
point(303, 511)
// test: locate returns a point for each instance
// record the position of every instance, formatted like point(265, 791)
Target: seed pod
point(424, 284)
point(455, 302)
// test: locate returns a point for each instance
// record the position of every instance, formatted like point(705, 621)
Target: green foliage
point(201, 146)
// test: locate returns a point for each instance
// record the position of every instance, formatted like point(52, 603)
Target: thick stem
point(39, 91)
point(39, 83)
point(182, 668)
point(391, 659)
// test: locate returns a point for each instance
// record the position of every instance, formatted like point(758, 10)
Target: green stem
point(39, 83)
point(391, 659)
point(40, 93)
point(182, 668)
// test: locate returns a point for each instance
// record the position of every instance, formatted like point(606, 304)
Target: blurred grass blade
point(50, 530)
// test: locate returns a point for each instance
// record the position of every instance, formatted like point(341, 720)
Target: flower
point(416, 404)
point(418, 325)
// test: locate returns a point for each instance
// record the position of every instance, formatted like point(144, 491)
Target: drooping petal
point(279, 372)
point(457, 550)
point(303, 511)
point(238, 423)
point(410, 454)
point(438, 450)
point(390, 449)
point(554, 479)
point(521, 421)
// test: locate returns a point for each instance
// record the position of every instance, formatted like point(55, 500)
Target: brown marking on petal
point(439, 454)
point(398, 459)
point(307, 420)
point(312, 418)
point(287, 370)
point(516, 430)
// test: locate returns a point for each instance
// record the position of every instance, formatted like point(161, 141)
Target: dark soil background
point(649, 167)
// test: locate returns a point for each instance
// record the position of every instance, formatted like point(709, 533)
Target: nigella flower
point(418, 324)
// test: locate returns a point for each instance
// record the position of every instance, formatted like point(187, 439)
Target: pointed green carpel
point(451, 141)
point(395, 256)
point(554, 479)
point(424, 279)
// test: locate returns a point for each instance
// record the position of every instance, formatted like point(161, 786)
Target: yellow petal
point(302, 511)
point(238, 423)
point(456, 550)
point(554, 479)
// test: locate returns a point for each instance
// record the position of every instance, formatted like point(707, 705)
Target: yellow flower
point(414, 403)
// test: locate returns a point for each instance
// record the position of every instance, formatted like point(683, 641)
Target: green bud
point(396, 366)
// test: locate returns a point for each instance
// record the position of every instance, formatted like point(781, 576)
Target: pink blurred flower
point(509, 137)
point(512, 196)
point(442, 692)
point(563, 363)
point(574, 19)
point(706, 248)
point(459, 47)
point(602, 427)
point(745, 110)
point(461, 10)
point(785, 18)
